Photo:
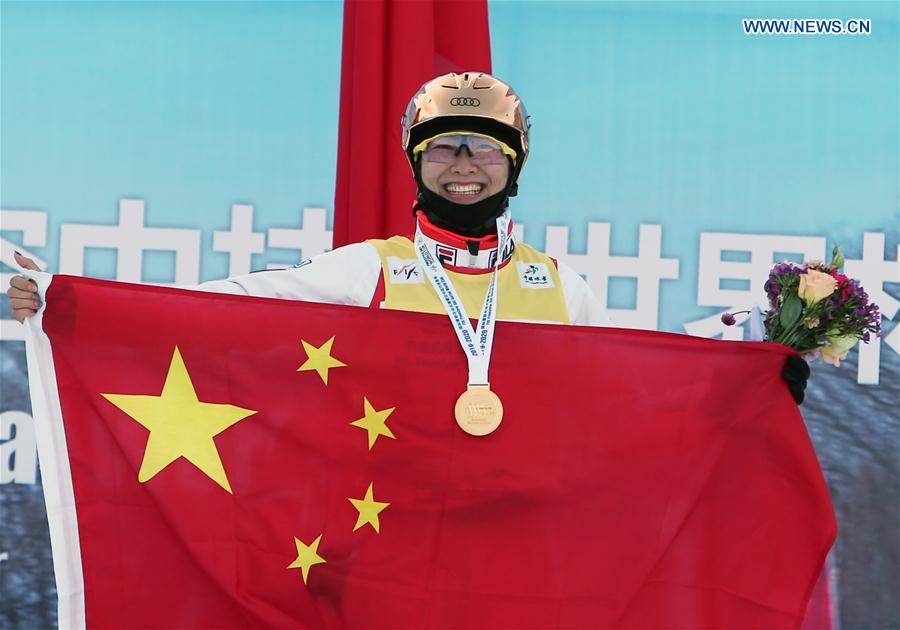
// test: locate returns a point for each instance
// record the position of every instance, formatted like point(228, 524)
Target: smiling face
point(463, 179)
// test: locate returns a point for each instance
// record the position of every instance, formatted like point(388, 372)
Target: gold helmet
point(470, 101)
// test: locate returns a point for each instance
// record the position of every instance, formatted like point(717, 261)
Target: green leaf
point(837, 258)
point(790, 311)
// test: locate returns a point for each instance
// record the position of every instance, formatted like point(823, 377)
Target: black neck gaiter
point(476, 219)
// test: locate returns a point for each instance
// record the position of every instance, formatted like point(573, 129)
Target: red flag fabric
point(390, 48)
point(226, 461)
point(820, 610)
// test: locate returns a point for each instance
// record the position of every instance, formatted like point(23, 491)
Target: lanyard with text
point(478, 410)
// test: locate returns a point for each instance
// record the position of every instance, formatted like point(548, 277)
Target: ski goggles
point(482, 150)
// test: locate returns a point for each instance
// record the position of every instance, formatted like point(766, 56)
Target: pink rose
point(843, 284)
point(815, 285)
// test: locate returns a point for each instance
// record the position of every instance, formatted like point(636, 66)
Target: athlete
point(466, 138)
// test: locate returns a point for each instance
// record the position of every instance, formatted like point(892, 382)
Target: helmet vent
point(481, 83)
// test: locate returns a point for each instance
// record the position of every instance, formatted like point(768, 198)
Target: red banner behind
point(390, 48)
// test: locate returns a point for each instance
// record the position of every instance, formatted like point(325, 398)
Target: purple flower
point(773, 288)
point(728, 319)
point(786, 268)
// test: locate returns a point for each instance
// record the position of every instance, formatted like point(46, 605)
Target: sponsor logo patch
point(464, 101)
point(534, 276)
point(447, 255)
point(404, 271)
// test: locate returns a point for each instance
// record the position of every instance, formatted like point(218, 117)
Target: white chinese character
point(597, 266)
point(241, 242)
point(873, 272)
point(130, 238)
point(312, 239)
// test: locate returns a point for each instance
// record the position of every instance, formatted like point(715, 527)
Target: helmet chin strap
point(473, 219)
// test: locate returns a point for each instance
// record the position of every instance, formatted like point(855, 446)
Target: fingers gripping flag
point(215, 460)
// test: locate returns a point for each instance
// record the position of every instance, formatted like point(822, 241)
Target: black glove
point(795, 373)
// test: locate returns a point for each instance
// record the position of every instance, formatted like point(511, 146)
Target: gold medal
point(478, 410)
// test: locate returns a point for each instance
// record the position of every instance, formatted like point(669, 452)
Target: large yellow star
point(307, 556)
point(180, 425)
point(374, 422)
point(368, 509)
point(320, 359)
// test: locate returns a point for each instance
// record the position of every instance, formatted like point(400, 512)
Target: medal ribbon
point(477, 344)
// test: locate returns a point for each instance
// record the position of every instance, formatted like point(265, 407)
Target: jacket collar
point(464, 253)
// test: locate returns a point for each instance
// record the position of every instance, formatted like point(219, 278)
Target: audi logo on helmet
point(465, 101)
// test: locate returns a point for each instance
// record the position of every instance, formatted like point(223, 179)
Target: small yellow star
point(180, 425)
point(320, 359)
point(374, 422)
point(368, 509)
point(307, 556)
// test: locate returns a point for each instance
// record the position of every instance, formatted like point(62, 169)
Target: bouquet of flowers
point(816, 310)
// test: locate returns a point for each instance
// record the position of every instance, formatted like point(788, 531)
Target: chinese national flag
point(225, 461)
